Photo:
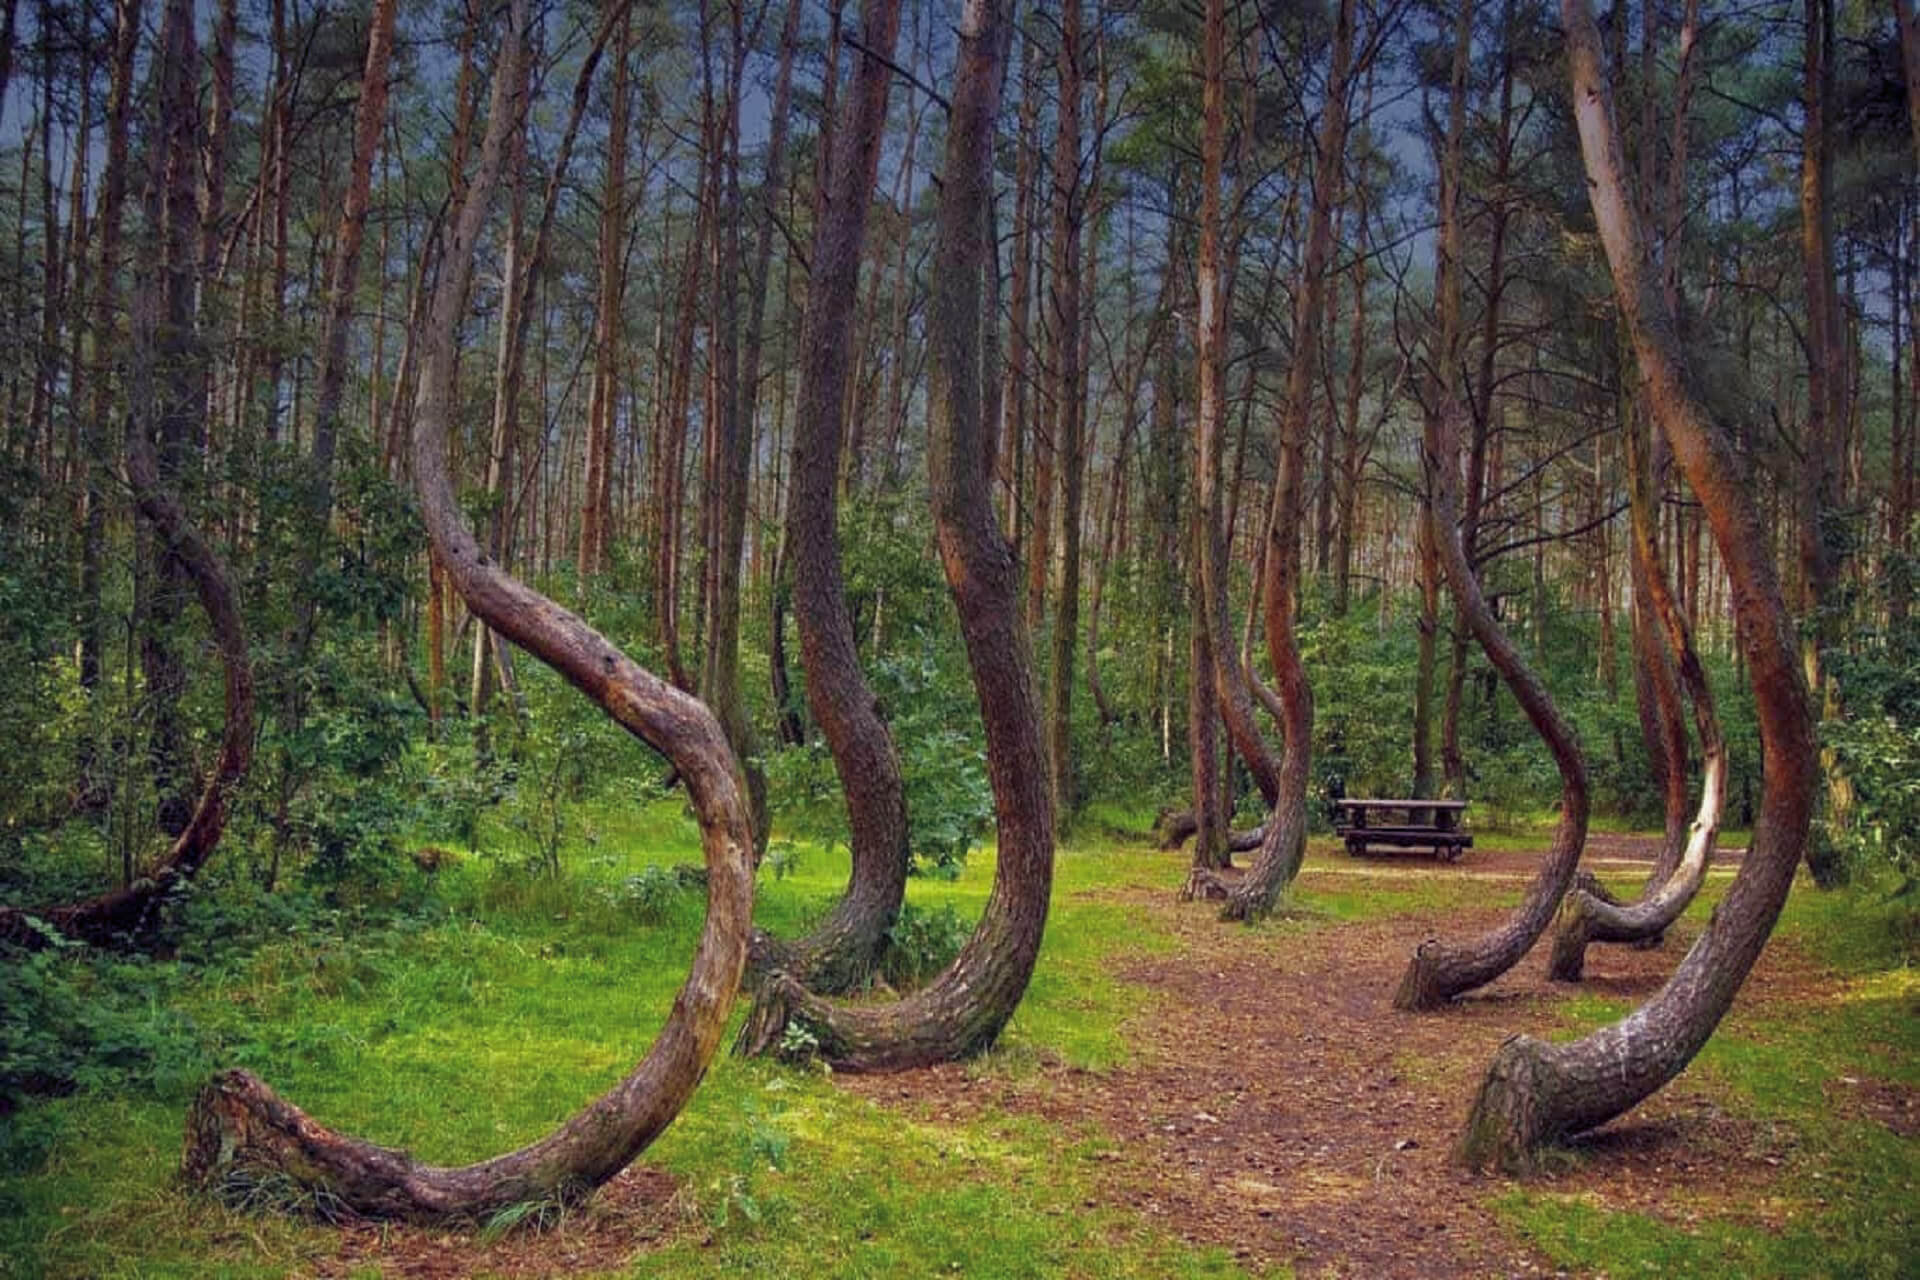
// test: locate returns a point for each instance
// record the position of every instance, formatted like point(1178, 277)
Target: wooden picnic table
point(1430, 824)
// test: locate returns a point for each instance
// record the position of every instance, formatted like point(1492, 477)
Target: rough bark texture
point(964, 1009)
point(1440, 971)
point(1535, 1093)
point(1586, 917)
point(841, 951)
point(1229, 677)
point(1285, 842)
point(240, 1133)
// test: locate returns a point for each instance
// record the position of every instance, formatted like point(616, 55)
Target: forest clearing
point(968, 637)
point(1169, 1100)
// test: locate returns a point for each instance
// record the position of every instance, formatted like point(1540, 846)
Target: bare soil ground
point(1281, 1109)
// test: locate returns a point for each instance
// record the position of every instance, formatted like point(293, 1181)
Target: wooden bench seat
point(1445, 844)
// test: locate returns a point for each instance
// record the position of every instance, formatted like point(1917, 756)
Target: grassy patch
point(524, 996)
point(1805, 1069)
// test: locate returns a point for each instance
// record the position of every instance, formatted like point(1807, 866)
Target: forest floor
point(1176, 1097)
point(1283, 1109)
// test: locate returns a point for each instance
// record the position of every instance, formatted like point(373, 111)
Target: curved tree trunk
point(1285, 842)
point(1534, 1092)
point(239, 1131)
point(964, 1009)
point(1585, 917)
point(126, 910)
point(841, 951)
point(1440, 971)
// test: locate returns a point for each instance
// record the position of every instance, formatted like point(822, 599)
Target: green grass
point(1850, 1186)
point(479, 1031)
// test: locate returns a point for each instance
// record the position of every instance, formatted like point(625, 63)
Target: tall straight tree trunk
point(670, 451)
point(1445, 361)
point(1211, 550)
point(842, 950)
point(1828, 402)
point(239, 1130)
point(731, 437)
point(343, 275)
point(1535, 1093)
point(964, 1009)
point(597, 512)
point(1285, 843)
point(113, 191)
point(1210, 851)
point(1069, 406)
point(1014, 397)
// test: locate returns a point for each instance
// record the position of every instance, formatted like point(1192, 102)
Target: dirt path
point(1279, 1107)
point(1282, 1109)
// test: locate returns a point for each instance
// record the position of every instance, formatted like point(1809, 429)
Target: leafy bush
point(921, 943)
point(75, 1020)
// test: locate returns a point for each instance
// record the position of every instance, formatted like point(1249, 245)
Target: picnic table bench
point(1428, 824)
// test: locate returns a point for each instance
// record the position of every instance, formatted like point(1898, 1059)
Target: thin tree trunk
point(1069, 405)
point(596, 514)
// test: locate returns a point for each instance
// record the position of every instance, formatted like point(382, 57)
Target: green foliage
point(1878, 748)
point(72, 1020)
point(921, 943)
point(649, 896)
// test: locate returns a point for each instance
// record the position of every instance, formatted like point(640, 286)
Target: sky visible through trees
point(928, 429)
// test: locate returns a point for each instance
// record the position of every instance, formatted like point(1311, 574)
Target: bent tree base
point(239, 1132)
point(1512, 1123)
point(246, 1145)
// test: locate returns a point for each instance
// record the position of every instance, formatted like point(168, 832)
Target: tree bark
point(1586, 917)
point(239, 1131)
point(1535, 1093)
point(1069, 406)
point(1285, 843)
point(596, 513)
point(840, 953)
point(1228, 675)
point(964, 1009)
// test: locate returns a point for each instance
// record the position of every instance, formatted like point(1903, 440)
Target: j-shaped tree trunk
point(842, 950)
point(1585, 917)
point(1285, 841)
point(1534, 1092)
point(1440, 971)
point(964, 1009)
point(239, 1131)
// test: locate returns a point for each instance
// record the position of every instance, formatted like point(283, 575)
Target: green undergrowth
point(1812, 1081)
point(476, 1024)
